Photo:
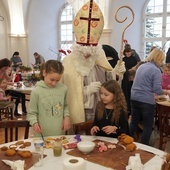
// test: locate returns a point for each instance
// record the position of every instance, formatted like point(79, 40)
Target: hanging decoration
point(65, 52)
point(125, 41)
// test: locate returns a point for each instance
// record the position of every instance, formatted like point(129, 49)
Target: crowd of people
point(110, 114)
point(108, 107)
point(9, 72)
point(5, 66)
point(85, 87)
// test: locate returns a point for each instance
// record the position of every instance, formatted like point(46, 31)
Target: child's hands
point(66, 124)
point(109, 129)
point(9, 97)
point(37, 128)
point(10, 83)
point(94, 130)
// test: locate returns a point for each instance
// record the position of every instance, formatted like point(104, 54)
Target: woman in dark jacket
point(168, 56)
point(16, 60)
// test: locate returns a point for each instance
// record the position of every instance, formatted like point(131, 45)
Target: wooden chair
point(27, 97)
point(164, 123)
point(12, 127)
point(6, 113)
point(83, 127)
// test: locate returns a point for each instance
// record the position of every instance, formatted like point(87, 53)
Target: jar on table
point(37, 155)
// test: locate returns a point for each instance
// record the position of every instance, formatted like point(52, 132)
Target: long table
point(164, 103)
point(53, 163)
point(22, 89)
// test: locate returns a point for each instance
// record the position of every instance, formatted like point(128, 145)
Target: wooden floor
point(21, 130)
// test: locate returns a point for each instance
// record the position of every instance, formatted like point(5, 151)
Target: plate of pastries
point(17, 148)
point(48, 143)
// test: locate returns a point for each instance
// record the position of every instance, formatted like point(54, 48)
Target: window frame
point(165, 40)
point(67, 22)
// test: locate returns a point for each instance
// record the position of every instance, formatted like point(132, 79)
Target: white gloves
point(93, 87)
point(120, 67)
point(89, 94)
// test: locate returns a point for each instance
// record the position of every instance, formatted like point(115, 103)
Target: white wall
point(41, 24)
point(3, 35)
point(43, 28)
point(3, 39)
point(43, 33)
point(134, 33)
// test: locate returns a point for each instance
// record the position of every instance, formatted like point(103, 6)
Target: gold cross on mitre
point(88, 24)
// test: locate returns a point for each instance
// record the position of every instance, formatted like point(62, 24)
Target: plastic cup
point(57, 148)
point(37, 155)
point(37, 158)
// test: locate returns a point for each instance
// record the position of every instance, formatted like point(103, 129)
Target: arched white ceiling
point(18, 11)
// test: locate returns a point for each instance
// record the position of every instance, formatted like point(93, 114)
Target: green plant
point(34, 78)
point(25, 68)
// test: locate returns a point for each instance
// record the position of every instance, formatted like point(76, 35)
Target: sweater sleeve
point(66, 111)
point(95, 119)
point(33, 108)
point(157, 82)
point(41, 60)
point(123, 124)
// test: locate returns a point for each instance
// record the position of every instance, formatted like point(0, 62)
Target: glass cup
point(37, 158)
point(57, 148)
point(37, 155)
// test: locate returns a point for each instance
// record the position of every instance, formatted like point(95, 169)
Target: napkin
point(134, 163)
point(15, 165)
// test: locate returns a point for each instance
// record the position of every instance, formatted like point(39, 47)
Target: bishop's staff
point(123, 33)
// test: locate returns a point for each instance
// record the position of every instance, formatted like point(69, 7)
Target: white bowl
point(85, 146)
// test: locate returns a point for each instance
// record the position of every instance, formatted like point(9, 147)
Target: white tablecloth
point(22, 89)
point(56, 163)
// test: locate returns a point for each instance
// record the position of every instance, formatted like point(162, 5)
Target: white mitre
point(88, 27)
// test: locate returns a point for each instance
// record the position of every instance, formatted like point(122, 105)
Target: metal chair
point(164, 123)
point(83, 127)
point(12, 127)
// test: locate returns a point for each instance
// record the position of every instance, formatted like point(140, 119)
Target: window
point(157, 25)
point(66, 29)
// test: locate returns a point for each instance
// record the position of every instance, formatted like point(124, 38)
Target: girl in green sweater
point(48, 111)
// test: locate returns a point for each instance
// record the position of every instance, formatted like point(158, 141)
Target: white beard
point(85, 65)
